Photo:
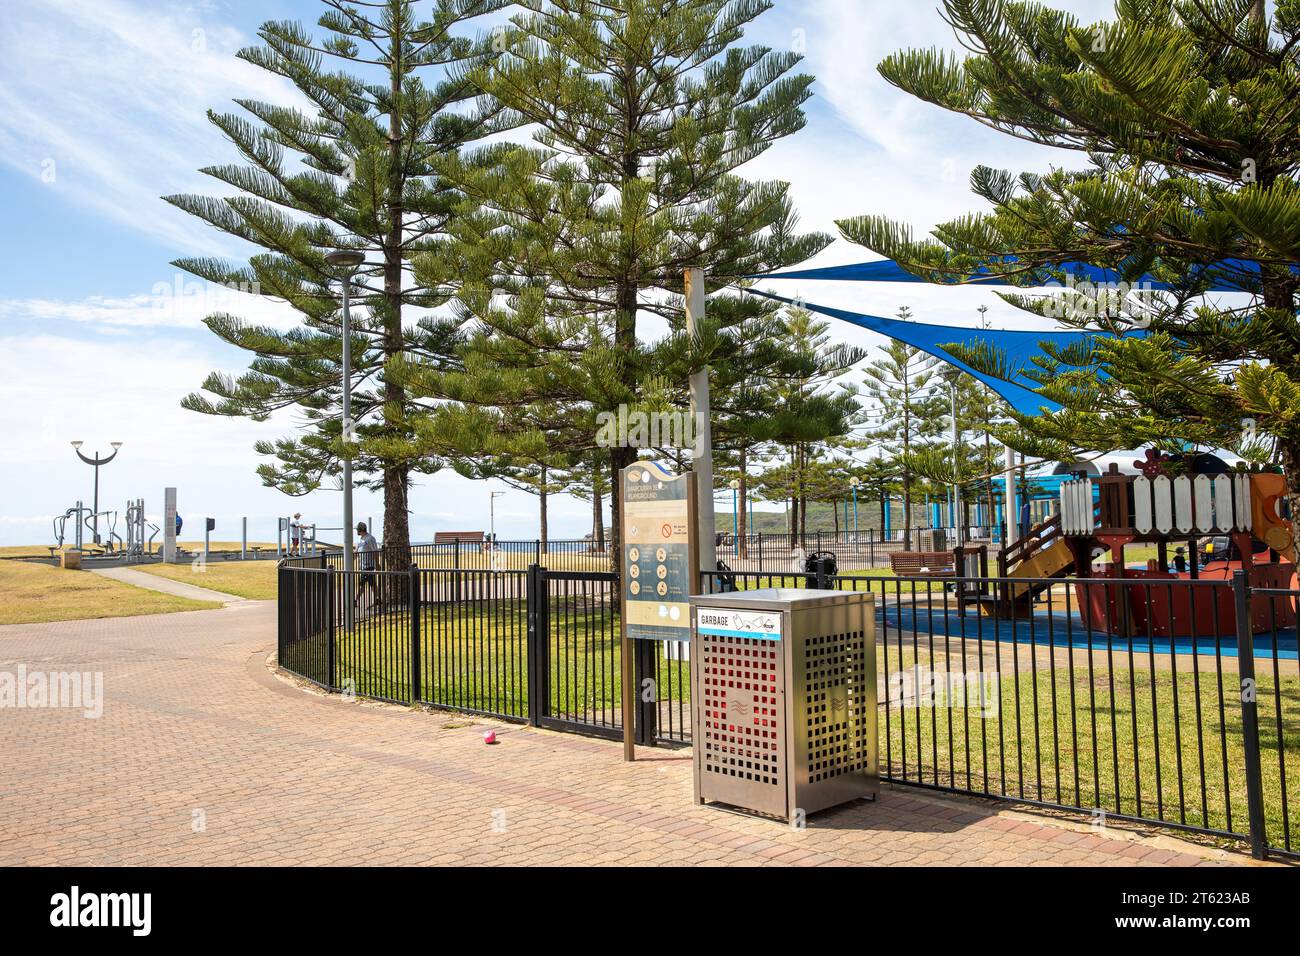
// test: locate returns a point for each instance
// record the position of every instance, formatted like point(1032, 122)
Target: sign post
point(661, 569)
point(169, 525)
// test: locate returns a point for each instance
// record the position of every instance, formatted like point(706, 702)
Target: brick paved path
point(202, 755)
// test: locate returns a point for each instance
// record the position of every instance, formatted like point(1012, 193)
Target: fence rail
point(1170, 702)
point(764, 552)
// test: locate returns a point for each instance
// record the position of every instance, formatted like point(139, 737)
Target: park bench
point(911, 563)
point(458, 537)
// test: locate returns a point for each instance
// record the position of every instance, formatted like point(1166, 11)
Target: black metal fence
point(1167, 701)
point(534, 645)
point(1171, 702)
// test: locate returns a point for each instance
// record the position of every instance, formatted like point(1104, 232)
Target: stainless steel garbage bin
point(783, 692)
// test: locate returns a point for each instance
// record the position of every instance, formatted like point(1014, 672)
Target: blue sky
point(102, 111)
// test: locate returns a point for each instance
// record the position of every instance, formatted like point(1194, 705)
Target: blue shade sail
point(1019, 347)
point(1230, 275)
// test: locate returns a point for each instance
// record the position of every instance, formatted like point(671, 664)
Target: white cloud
point(110, 99)
point(181, 303)
point(59, 388)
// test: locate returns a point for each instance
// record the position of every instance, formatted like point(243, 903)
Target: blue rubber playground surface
point(1063, 630)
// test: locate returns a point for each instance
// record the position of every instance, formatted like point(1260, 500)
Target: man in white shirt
point(367, 563)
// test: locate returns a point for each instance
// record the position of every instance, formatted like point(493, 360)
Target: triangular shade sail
point(1230, 275)
point(1018, 347)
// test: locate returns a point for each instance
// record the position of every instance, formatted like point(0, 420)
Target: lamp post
point(953, 376)
point(853, 484)
point(735, 516)
point(348, 260)
point(492, 526)
point(96, 462)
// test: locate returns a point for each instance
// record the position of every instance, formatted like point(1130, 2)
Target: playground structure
point(1100, 516)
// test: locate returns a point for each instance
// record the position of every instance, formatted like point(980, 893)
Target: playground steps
point(1042, 553)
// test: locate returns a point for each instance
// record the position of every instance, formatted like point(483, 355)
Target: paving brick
point(194, 721)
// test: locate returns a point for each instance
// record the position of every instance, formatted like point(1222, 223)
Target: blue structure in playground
point(1044, 495)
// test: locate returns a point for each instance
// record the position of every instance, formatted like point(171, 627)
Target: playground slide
point(1053, 561)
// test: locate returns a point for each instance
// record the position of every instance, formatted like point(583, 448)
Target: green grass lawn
point(34, 593)
point(476, 659)
point(1126, 740)
point(255, 580)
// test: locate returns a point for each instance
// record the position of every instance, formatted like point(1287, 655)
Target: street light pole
point(349, 260)
point(96, 462)
point(492, 527)
point(735, 517)
point(853, 483)
point(956, 459)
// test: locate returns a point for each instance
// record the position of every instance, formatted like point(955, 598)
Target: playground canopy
point(1018, 347)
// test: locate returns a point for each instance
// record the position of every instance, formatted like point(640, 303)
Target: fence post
point(533, 583)
point(1247, 692)
point(646, 712)
point(823, 579)
point(760, 552)
point(330, 656)
point(415, 633)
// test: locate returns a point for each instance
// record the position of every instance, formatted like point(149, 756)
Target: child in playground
point(295, 533)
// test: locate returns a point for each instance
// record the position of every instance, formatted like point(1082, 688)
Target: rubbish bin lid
point(782, 598)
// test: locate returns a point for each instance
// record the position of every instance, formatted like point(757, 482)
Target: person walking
point(368, 563)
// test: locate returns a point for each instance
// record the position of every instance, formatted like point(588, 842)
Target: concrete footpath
point(154, 582)
point(203, 755)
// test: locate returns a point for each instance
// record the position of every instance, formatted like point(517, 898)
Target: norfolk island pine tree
point(642, 113)
point(354, 171)
point(1186, 115)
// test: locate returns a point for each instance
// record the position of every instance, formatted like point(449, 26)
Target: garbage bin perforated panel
point(743, 737)
point(835, 703)
point(787, 720)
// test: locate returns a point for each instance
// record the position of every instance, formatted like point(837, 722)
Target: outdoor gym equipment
point(136, 525)
point(61, 524)
point(86, 519)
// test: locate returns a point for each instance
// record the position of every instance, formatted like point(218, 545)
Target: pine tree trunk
point(397, 525)
point(597, 516)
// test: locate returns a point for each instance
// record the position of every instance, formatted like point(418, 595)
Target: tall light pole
point(735, 516)
point(96, 461)
point(953, 377)
point(853, 484)
point(492, 526)
point(348, 260)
